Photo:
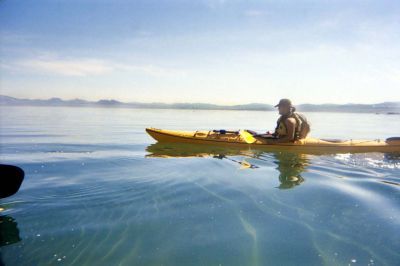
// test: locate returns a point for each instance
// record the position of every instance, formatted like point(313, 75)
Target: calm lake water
point(98, 191)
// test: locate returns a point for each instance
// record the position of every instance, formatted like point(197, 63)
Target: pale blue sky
point(224, 52)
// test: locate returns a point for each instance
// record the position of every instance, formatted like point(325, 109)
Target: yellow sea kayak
point(236, 139)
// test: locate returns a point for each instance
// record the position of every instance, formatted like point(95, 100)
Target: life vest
point(301, 130)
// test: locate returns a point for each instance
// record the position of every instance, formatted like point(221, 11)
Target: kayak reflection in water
point(9, 233)
point(291, 126)
point(290, 167)
point(179, 150)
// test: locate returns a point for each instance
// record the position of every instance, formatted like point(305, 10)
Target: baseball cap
point(286, 102)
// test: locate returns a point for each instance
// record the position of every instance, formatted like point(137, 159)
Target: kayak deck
point(233, 138)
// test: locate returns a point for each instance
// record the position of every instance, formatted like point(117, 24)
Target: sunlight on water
point(99, 191)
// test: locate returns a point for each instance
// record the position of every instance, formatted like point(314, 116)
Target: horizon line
point(172, 103)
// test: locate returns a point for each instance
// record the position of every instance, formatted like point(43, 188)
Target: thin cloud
point(86, 67)
point(66, 67)
point(254, 13)
point(151, 70)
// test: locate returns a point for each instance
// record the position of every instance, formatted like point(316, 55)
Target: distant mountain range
point(386, 107)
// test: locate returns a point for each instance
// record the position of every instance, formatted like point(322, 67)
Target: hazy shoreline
point(391, 108)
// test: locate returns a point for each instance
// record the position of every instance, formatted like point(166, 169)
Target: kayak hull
point(312, 145)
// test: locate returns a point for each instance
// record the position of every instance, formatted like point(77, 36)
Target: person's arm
point(290, 127)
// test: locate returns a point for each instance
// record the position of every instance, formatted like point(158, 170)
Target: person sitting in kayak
point(291, 126)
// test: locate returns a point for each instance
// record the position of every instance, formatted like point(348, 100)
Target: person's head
point(285, 106)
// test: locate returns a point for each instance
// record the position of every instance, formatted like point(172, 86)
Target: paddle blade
point(11, 178)
point(247, 136)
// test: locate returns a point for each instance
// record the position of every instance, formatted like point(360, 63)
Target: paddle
point(248, 137)
point(243, 163)
point(11, 178)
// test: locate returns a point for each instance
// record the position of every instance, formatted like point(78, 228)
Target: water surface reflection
point(290, 165)
point(9, 233)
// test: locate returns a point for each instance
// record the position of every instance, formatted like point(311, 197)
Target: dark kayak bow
point(11, 178)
